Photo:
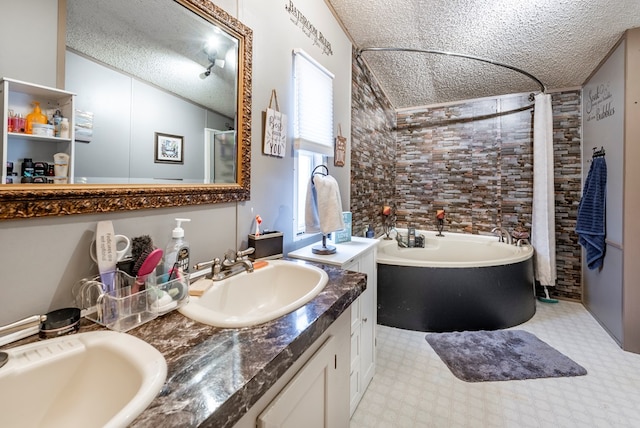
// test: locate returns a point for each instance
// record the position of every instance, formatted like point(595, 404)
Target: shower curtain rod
point(459, 55)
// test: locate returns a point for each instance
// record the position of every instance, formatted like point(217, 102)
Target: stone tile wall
point(473, 158)
point(373, 151)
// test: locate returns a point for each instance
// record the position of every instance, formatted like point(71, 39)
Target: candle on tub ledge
point(440, 225)
point(386, 221)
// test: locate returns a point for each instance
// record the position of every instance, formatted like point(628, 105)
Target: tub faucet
point(399, 240)
point(502, 234)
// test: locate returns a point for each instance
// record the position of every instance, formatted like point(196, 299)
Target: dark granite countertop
point(215, 375)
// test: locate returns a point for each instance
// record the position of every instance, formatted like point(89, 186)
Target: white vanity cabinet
point(306, 401)
point(19, 97)
point(314, 392)
point(359, 255)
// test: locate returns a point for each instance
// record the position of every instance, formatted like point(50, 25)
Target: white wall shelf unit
point(18, 96)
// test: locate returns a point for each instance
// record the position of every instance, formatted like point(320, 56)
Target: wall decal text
point(308, 28)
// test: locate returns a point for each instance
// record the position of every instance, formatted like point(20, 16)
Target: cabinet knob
point(364, 319)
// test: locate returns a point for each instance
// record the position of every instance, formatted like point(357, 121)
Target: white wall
point(42, 258)
point(29, 31)
point(603, 97)
point(275, 36)
point(126, 147)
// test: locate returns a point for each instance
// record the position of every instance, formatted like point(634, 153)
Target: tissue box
point(343, 235)
point(268, 245)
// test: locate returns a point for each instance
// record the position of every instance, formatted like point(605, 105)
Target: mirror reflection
point(151, 108)
point(156, 151)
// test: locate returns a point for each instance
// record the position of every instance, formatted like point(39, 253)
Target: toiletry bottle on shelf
point(12, 121)
point(20, 123)
point(36, 116)
point(64, 128)
point(57, 119)
point(177, 251)
point(28, 168)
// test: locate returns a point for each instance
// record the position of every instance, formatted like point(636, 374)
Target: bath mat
point(480, 356)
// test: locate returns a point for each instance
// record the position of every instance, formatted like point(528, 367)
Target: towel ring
point(315, 170)
point(323, 249)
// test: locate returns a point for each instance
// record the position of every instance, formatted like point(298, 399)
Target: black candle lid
point(60, 318)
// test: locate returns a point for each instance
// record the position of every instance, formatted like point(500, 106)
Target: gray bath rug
point(479, 356)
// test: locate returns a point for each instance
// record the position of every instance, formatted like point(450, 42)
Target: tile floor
point(413, 388)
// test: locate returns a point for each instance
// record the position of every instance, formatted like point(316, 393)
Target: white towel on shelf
point(323, 210)
point(543, 238)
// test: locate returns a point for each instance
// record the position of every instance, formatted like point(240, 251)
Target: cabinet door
point(355, 379)
point(306, 400)
point(368, 320)
point(354, 266)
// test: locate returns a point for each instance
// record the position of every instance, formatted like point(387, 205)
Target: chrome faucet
point(502, 234)
point(232, 259)
point(222, 269)
point(20, 329)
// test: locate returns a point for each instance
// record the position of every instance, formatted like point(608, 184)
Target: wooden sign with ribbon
point(340, 149)
point(275, 129)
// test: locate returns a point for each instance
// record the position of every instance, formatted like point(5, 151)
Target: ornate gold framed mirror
point(40, 200)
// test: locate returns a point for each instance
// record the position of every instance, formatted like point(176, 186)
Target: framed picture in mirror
point(169, 148)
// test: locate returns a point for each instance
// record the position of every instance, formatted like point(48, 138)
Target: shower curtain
point(543, 217)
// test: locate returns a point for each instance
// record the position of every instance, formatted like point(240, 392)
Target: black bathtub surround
point(215, 375)
point(479, 166)
point(438, 299)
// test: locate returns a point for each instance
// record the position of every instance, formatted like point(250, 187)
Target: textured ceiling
point(558, 41)
point(160, 45)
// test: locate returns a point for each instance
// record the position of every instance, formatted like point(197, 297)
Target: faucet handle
point(230, 255)
point(246, 252)
point(217, 267)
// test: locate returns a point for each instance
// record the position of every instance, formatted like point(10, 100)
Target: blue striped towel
point(590, 226)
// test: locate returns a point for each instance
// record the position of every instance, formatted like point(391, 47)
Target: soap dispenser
point(36, 116)
point(177, 251)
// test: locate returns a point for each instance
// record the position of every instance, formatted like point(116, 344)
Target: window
point(312, 125)
point(306, 161)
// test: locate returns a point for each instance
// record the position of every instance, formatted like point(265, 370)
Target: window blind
point(313, 117)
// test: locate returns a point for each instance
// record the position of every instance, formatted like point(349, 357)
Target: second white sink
point(249, 299)
point(95, 379)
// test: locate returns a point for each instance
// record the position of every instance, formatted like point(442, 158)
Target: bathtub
point(457, 282)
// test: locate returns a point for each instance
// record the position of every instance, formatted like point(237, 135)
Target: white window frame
point(313, 133)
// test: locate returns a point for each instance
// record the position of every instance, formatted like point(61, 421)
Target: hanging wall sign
point(275, 129)
point(340, 149)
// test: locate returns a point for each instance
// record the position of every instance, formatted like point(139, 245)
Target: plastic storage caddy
point(130, 304)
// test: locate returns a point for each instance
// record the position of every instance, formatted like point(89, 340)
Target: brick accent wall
point(373, 151)
point(473, 158)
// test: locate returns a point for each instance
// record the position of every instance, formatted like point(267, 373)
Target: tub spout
point(401, 243)
point(502, 234)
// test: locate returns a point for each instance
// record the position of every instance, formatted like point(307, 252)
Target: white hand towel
point(311, 219)
point(324, 206)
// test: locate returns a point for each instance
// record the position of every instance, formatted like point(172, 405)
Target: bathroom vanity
point(358, 255)
point(246, 377)
point(296, 366)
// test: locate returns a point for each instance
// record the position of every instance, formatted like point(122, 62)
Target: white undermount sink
point(94, 379)
point(249, 299)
